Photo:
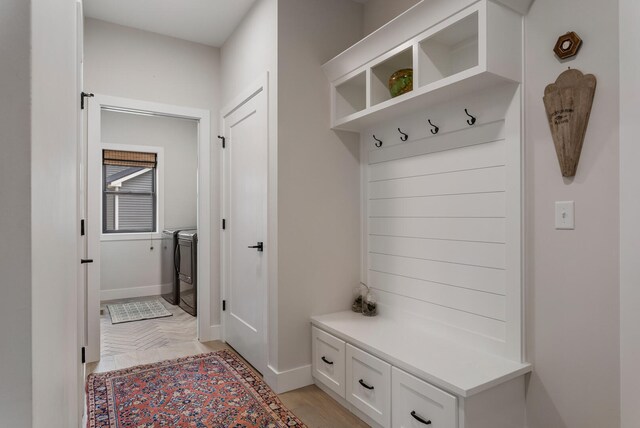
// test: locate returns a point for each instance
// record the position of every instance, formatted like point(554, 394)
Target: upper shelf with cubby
point(470, 50)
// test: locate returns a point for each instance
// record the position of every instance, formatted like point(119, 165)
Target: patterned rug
point(137, 311)
point(215, 390)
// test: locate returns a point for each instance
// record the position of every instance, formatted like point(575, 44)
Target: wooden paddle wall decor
point(568, 103)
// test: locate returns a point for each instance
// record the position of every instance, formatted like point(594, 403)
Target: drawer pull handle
point(370, 388)
point(327, 361)
point(419, 419)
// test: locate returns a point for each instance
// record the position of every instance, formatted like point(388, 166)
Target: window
point(129, 192)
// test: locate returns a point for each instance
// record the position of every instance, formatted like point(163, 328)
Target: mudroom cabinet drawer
point(328, 360)
point(369, 385)
point(418, 404)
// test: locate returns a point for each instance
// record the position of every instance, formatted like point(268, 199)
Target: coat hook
point(471, 121)
point(404, 136)
point(379, 142)
point(435, 129)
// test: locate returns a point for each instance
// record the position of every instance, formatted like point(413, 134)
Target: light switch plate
point(565, 215)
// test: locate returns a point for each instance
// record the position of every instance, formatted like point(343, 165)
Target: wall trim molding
point(214, 332)
point(132, 292)
point(288, 380)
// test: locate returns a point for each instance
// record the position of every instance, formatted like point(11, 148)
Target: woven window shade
point(122, 158)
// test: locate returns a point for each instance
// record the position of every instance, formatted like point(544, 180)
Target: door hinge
point(224, 224)
point(224, 141)
point(82, 355)
point(82, 227)
point(84, 95)
point(224, 305)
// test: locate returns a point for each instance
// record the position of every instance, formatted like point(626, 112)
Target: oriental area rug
point(216, 390)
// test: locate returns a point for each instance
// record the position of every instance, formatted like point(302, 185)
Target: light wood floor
point(313, 406)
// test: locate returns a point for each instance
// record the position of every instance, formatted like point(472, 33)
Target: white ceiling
point(202, 21)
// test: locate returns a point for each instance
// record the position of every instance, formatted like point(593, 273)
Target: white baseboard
point(128, 293)
point(288, 380)
point(214, 332)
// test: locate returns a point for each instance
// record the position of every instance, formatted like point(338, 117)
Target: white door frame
point(259, 86)
point(94, 211)
point(81, 208)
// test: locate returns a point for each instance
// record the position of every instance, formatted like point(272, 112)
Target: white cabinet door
point(328, 360)
point(369, 385)
point(418, 404)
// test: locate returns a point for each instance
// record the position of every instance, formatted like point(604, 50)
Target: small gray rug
point(137, 311)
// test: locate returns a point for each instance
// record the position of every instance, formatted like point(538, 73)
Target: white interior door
point(245, 156)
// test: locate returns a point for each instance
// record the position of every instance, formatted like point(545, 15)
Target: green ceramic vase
point(401, 82)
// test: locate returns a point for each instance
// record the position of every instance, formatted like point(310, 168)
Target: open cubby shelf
point(449, 52)
point(474, 49)
point(382, 72)
point(351, 96)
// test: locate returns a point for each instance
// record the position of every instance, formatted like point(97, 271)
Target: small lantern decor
point(364, 301)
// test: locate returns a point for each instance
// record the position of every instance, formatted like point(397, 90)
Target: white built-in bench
point(393, 372)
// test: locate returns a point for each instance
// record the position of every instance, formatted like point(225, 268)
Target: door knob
point(259, 247)
point(84, 261)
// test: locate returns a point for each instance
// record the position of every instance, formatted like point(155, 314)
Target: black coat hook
point(435, 129)
point(404, 136)
point(471, 121)
point(378, 143)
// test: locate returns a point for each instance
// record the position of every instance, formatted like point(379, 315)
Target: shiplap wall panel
point(467, 205)
point(466, 158)
point(466, 321)
point(457, 275)
point(443, 233)
point(437, 228)
point(486, 304)
point(447, 183)
point(462, 252)
point(457, 229)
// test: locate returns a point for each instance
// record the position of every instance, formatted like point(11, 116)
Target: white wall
point(251, 51)
point(247, 55)
point(126, 62)
point(136, 265)
point(572, 279)
point(179, 139)
point(15, 214)
point(54, 219)
point(131, 63)
point(318, 175)
point(379, 12)
point(629, 213)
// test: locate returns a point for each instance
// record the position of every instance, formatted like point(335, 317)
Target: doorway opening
point(148, 226)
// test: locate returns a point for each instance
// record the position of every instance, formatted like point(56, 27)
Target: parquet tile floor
point(156, 333)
